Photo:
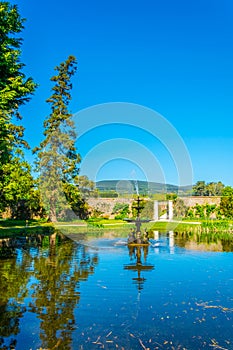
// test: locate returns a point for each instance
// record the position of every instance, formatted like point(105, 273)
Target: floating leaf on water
point(95, 342)
point(205, 305)
point(143, 346)
point(216, 345)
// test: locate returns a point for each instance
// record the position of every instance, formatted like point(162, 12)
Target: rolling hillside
point(144, 187)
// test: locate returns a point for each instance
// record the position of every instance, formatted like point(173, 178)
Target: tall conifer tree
point(58, 160)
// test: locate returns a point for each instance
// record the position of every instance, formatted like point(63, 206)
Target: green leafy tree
point(15, 91)
point(199, 189)
point(214, 189)
point(78, 206)
point(15, 88)
point(209, 189)
point(58, 160)
point(18, 191)
point(226, 204)
point(228, 191)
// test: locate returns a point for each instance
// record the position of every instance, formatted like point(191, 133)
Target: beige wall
point(192, 201)
point(107, 204)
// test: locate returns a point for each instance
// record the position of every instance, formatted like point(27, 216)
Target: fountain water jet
point(136, 237)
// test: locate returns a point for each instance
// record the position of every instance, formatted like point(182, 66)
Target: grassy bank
point(164, 226)
point(204, 226)
point(10, 228)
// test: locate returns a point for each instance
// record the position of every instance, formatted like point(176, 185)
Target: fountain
point(138, 243)
point(136, 237)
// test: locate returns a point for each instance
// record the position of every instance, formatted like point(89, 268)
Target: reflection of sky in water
point(180, 301)
point(184, 301)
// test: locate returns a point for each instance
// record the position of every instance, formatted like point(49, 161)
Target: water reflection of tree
point(13, 289)
point(57, 292)
point(216, 241)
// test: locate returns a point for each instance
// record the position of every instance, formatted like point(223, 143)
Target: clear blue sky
point(175, 57)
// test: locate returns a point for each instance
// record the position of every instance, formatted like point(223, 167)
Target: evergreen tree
point(58, 159)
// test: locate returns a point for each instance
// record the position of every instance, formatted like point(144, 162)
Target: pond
point(95, 293)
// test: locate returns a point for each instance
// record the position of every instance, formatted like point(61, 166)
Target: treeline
point(201, 188)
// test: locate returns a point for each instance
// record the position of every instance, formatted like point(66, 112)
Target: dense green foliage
point(204, 211)
point(226, 205)
point(209, 189)
point(57, 157)
point(121, 210)
point(19, 191)
point(15, 88)
point(16, 182)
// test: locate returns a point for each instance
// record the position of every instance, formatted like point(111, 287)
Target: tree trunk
point(52, 211)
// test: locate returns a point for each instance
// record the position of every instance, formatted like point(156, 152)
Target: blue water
point(94, 295)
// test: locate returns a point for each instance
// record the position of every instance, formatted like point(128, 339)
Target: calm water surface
point(98, 294)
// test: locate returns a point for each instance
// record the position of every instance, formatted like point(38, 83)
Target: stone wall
point(192, 201)
point(106, 205)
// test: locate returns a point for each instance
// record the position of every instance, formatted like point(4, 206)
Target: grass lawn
point(11, 227)
point(200, 225)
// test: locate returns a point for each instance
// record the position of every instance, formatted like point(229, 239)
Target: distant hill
point(144, 187)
